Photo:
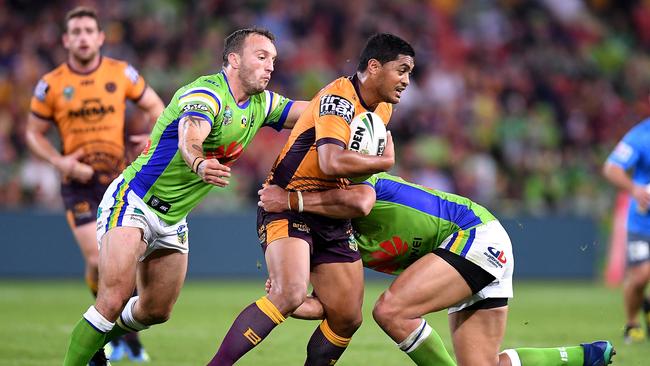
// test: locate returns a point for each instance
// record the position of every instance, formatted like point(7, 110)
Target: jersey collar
point(355, 82)
point(241, 106)
point(74, 71)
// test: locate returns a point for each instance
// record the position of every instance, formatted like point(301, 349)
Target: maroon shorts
point(81, 201)
point(330, 240)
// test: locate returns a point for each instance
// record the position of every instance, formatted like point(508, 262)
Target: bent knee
point(386, 309)
point(288, 297)
point(158, 315)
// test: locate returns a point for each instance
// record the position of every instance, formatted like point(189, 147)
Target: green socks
point(115, 333)
point(84, 342)
point(560, 356)
point(425, 347)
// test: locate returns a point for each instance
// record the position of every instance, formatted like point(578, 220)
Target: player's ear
point(66, 40)
point(374, 66)
point(234, 59)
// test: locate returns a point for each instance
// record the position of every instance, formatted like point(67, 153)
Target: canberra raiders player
point(141, 220)
point(448, 253)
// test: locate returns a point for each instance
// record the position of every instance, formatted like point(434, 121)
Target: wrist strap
point(195, 170)
point(300, 202)
point(289, 200)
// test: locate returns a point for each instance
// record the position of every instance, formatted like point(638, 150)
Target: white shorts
point(489, 247)
point(120, 206)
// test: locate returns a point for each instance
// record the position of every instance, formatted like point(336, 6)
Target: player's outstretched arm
point(296, 110)
point(354, 201)
point(152, 105)
point(336, 161)
point(68, 165)
point(192, 131)
point(620, 178)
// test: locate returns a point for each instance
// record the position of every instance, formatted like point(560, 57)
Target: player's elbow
point(330, 167)
point(608, 170)
point(362, 205)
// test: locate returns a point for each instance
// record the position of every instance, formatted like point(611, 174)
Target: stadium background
point(514, 104)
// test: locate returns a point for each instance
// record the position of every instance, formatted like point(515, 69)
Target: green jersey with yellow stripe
point(409, 221)
point(162, 178)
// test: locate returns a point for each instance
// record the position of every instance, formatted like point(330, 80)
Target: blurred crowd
point(513, 103)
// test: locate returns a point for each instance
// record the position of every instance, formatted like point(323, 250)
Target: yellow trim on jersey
point(335, 339)
point(270, 310)
point(459, 239)
point(198, 96)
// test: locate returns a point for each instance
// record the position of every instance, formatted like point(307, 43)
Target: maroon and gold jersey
point(325, 121)
point(88, 110)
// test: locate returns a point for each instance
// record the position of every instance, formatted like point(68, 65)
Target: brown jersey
point(325, 121)
point(88, 110)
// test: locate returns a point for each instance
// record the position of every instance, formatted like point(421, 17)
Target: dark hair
point(383, 47)
point(78, 12)
point(235, 41)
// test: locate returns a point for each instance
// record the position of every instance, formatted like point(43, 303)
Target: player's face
point(83, 39)
point(394, 77)
point(257, 59)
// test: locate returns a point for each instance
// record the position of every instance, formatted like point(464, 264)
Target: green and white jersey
point(161, 177)
point(409, 221)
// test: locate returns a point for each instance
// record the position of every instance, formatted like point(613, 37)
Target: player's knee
point(638, 279)
point(385, 311)
point(289, 296)
point(158, 315)
point(110, 306)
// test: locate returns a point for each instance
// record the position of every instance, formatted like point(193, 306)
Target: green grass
point(37, 316)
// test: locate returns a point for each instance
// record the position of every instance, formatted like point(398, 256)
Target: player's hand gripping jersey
point(88, 110)
point(409, 221)
point(325, 121)
point(162, 178)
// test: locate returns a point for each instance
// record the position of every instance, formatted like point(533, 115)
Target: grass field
point(37, 316)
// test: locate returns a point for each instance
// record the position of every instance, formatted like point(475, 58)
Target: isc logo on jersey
point(367, 134)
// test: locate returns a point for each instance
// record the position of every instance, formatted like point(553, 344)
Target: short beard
point(249, 87)
point(85, 61)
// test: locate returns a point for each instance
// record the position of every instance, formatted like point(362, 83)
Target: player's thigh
point(428, 285)
point(339, 287)
point(86, 237)
point(118, 255)
point(286, 241)
point(477, 335)
point(160, 278)
point(639, 273)
point(287, 260)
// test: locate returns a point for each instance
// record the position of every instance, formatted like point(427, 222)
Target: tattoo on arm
point(191, 145)
point(195, 121)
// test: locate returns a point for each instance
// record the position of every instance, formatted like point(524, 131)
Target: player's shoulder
point(213, 84)
point(640, 132)
point(111, 64)
point(342, 87)
point(55, 74)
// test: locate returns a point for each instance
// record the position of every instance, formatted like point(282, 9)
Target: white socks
point(126, 319)
point(97, 320)
point(514, 357)
point(416, 338)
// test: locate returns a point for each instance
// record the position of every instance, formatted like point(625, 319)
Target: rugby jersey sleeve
point(627, 151)
point(42, 102)
point(200, 101)
point(135, 84)
point(277, 109)
point(332, 120)
point(372, 181)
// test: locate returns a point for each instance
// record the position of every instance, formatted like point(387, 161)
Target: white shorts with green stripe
point(121, 207)
point(489, 247)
